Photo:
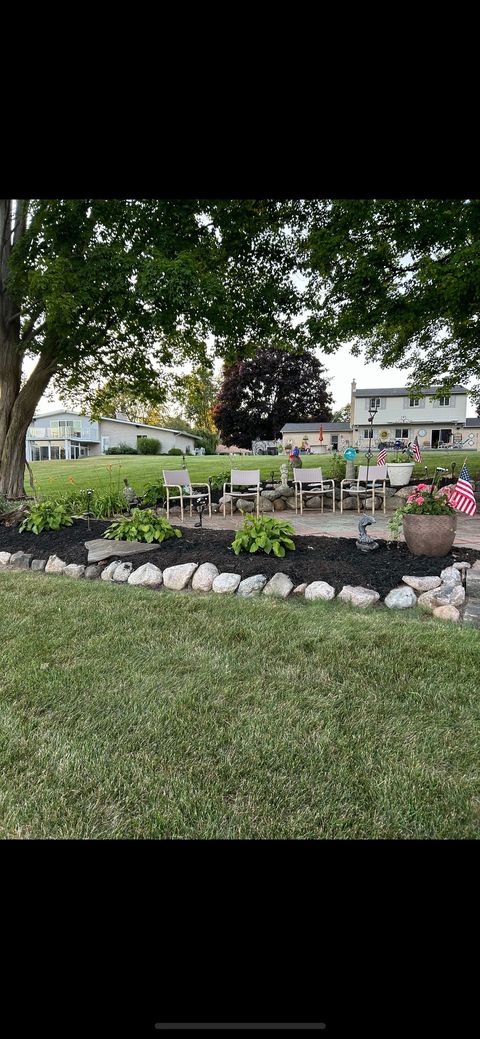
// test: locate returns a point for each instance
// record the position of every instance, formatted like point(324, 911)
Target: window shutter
point(367, 403)
point(383, 402)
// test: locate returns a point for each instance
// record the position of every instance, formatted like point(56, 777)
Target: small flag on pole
point(382, 457)
point(321, 432)
point(417, 454)
point(462, 497)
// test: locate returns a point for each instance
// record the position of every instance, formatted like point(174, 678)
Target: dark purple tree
point(259, 394)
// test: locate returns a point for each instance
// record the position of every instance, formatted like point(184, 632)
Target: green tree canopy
point(399, 279)
point(99, 289)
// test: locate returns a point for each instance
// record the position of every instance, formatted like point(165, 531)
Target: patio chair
point(242, 478)
point(180, 478)
point(377, 480)
point(319, 487)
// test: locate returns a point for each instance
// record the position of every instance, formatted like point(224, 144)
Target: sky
point(342, 367)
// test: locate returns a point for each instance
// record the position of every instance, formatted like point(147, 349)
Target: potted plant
point(399, 471)
point(429, 522)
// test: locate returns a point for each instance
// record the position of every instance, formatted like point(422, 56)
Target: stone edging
point(443, 596)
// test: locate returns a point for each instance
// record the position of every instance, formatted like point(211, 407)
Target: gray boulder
point(146, 576)
point(422, 584)
point(177, 577)
point(75, 570)
point(226, 583)
point(22, 560)
point(300, 589)
point(92, 572)
point(204, 577)
point(358, 596)
point(245, 505)
point(401, 598)
point(108, 572)
point(4, 558)
point(122, 573)
point(38, 564)
point(319, 590)
point(451, 575)
point(450, 595)
point(447, 613)
point(251, 586)
point(279, 585)
point(55, 565)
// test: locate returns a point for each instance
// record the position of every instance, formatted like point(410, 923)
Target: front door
point(440, 437)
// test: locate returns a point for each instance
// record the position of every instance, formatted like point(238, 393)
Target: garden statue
point(365, 543)
point(130, 494)
point(284, 475)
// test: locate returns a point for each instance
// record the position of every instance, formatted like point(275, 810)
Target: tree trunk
point(12, 457)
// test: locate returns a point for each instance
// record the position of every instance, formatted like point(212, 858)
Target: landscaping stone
point(447, 613)
point(55, 565)
point(177, 577)
point(175, 510)
point(92, 572)
point(279, 585)
point(4, 558)
point(423, 584)
point(472, 582)
point(404, 492)
point(204, 577)
point(20, 560)
point(244, 505)
point(358, 596)
point(313, 503)
point(75, 570)
point(99, 549)
point(401, 598)
point(462, 566)
point(146, 576)
point(369, 502)
point(122, 573)
point(108, 572)
point(279, 505)
point(290, 503)
point(349, 503)
point(319, 590)
point(266, 505)
point(450, 575)
point(225, 583)
point(450, 595)
point(38, 564)
point(215, 508)
point(251, 586)
point(471, 613)
point(427, 600)
point(225, 499)
point(476, 565)
point(277, 493)
point(300, 589)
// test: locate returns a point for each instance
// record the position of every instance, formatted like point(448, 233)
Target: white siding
point(126, 433)
point(394, 409)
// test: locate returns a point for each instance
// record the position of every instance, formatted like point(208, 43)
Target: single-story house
point(471, 433)
point(67, 434)
point(336, 436)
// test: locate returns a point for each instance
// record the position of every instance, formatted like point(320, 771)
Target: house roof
point(402, 391)
point(314, 427)
point(122, 421)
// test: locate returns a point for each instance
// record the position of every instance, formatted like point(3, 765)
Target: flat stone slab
point(471, 613)
point(473, 582)
point(102, 549)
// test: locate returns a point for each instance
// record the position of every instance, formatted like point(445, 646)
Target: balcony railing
point(44, 433)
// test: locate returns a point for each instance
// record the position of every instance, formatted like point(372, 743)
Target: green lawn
point(130, 714)
point(53, 477)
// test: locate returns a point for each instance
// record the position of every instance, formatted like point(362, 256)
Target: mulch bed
point(335, 560)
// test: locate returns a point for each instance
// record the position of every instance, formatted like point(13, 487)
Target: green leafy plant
point(148, 446)
point(154, 493)
point(264, 535)
point(339, 467)
point(175, 451)
point(122, 449)
point(142, 525)
point(217, 481)
point(47, 515)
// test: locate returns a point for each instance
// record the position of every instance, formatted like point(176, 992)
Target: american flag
point(462, 497)
point(382, 458)
point(417, 454)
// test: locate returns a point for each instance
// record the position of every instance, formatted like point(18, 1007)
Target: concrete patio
point(329, 524)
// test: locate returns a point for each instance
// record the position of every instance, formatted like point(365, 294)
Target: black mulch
point(335, 560)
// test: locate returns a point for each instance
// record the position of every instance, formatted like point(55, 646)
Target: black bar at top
point(244, 1025)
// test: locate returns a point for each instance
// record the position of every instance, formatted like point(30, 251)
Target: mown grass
point(131, 714)
point(100, 472)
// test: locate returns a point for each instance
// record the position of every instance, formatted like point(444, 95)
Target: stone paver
point(99, 549)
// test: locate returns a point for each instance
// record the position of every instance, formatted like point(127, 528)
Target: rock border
point(452, 595)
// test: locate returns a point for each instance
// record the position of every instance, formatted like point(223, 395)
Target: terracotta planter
point(429, 535)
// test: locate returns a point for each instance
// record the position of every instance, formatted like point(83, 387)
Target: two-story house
point(66, 434)
point(435, 421)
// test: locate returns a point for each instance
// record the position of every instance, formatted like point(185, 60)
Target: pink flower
point(411, 498)
point(420, 500)
point(421, 486)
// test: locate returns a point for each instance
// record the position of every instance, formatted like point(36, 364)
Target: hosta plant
point(264, 535)
point(142, 525)
point(47, 515)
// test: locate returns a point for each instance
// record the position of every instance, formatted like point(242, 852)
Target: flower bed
point(333, 560)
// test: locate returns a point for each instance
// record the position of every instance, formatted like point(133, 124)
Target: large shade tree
point(259, 394)
point(100, 289)
point(398, 279)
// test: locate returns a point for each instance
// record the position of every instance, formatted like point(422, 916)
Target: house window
point(374, 403)
point(414, 402)
point(444, 402)
point(366, 434)
point(401, 434)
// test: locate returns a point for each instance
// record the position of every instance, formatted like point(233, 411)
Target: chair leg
point(168, 506)
point(181, 508)
point(209, 504)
